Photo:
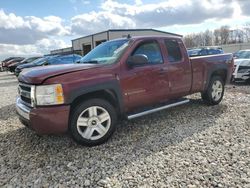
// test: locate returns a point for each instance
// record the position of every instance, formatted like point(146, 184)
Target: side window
point(151, 50)
point(174, 51)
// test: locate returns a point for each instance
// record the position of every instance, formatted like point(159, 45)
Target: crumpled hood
point(37, 75)
point(242, 62)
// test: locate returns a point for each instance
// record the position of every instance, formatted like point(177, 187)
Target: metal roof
point(118, 30)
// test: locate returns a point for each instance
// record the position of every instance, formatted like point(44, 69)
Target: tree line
point(220, 36)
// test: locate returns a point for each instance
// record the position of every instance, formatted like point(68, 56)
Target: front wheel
point(215, 91)
point(93, 122)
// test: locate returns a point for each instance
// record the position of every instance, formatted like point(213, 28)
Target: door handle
point(163, 70)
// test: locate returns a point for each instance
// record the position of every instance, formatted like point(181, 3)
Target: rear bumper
point(44, 120)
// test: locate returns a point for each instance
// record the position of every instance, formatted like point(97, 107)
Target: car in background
point(5, 63)
point(49, 60)
point(242, 66)
point(204, 51)
point(237, 54)
point(14, 65)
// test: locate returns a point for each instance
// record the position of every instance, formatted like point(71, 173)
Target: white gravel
point(188, 146)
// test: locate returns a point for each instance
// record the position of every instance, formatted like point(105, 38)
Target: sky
point(34, 27)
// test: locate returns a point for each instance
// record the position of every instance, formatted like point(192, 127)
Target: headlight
point(49, 94)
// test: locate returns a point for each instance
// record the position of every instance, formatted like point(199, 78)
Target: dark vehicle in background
point(242, 66)
point(123, 78)
point(49, 60)
point(8, 61)
point(204, 51)
point(13, 66)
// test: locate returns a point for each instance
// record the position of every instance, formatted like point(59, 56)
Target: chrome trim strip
point(24, 85)
point(25, 93)
point(157, 109)
point(22, 110)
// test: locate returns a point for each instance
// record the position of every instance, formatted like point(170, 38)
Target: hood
point(39, 74)
point(14, 64)
point(242, 62)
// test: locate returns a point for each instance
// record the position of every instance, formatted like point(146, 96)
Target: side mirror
point(137, 60)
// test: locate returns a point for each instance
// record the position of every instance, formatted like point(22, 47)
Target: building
point(62, 51)
point(84, 44)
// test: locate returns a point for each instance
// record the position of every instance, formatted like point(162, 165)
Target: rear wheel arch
point(217, 71)
point(221, 73)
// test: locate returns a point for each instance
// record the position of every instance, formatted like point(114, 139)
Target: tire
point(214, 96)
point(93, 122)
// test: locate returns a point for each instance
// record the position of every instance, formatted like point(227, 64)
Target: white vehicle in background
point(242, 66)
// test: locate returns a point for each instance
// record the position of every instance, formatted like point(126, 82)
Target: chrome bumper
point(243, 76)
point(22, 110)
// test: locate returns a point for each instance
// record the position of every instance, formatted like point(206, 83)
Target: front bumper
point(44, 120)
point(241, 76)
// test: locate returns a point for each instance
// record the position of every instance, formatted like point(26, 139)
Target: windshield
point(28, 60)
point(243, 55)
point(106, 53)
point(40, 61)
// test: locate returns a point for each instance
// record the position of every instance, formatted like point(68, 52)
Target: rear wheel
point(93, 122)
point(215, 91)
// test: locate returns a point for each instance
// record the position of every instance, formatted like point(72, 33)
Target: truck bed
point(201, 65)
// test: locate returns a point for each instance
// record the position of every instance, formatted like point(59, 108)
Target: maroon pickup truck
point(124, 78)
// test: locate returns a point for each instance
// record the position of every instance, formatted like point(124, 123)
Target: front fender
point(112, 85)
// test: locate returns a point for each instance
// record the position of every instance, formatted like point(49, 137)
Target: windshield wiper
point(90, 62)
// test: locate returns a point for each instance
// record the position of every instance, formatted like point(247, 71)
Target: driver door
point(145, 84)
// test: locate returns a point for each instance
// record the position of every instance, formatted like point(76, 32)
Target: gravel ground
point(193, 145)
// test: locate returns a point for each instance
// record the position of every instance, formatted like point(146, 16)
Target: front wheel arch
point(108, 95)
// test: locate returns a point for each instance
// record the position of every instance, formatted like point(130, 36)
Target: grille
point(243, 69)
point(24, 91)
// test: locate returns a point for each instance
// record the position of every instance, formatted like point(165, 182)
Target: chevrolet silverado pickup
point(123, 78)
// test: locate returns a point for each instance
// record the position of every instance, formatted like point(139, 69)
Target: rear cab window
point(174, 50)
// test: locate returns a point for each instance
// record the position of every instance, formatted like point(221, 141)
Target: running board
point(157, 109)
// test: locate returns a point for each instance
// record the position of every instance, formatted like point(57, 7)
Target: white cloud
point(28, 30)
point(98, 21)
point(114, 14)
point(41, 47)
point(32, 35)
point(138, 2)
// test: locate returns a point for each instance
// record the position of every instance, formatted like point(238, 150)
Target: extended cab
point(124, 78)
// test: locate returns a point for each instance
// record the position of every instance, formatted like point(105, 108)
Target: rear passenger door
point(179, 68)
